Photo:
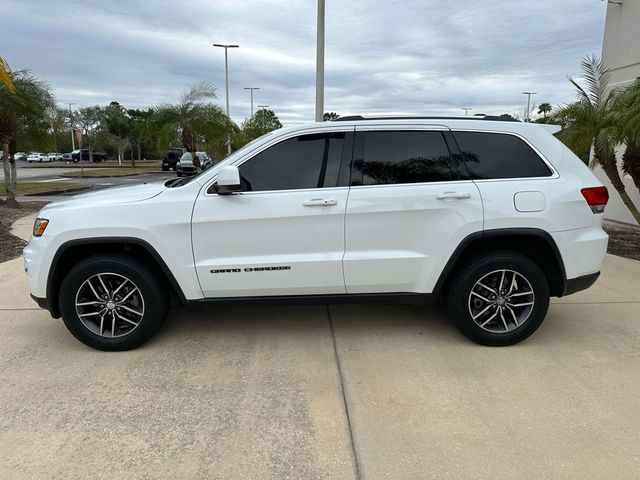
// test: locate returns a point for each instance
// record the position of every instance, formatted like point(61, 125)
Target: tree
point(140, 129)
point(194, 119)
point(118, 124)
point(628, 130)
point(329, 116)
point(90, 121)
point(22, 110)
point(58, 128)
point(544, 108)
point(264, 121)
point(593, 121)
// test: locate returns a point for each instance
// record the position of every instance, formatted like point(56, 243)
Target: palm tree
point(544, 108)
point(628, 130)
point(194, 119)
point(22, 111)
point(593, 121)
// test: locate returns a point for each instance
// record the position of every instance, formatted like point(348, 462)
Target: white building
point(621, 54)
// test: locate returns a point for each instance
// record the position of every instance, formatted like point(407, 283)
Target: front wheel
point(113, 302)
point(498, 298)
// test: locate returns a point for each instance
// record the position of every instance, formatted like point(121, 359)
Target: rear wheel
point(113, 302)
point(498, 298)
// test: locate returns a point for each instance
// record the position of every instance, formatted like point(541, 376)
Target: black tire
point(179, 174)
point(152, 295)
point(165, 168)
point(460, 300)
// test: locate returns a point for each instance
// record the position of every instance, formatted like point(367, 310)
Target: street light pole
point(466, 110)
point(251, 89)
point(226, 80)
point(320, 62)
point(528, 94)
point(73, 142)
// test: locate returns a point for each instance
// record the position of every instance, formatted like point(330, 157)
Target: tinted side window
point(307, 161)
point(497, 155)
point(401, 157)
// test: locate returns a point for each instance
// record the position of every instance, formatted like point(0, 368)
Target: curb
point(108, 176)
point(58, 192)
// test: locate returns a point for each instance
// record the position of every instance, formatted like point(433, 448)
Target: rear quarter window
point(499, 155)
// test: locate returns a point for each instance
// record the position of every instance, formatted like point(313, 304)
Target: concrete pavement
point(352, 391)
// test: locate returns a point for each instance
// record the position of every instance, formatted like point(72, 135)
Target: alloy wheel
point(501, 301)
point(110, 305)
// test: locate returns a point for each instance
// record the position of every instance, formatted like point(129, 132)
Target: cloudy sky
point(382, 57)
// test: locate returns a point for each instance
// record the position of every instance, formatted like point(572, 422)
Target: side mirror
point(228, 180)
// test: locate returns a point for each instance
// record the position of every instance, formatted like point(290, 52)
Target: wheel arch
point(69, 253)
point(538, 245)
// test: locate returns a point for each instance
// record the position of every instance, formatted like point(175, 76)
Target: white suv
point(492, 216)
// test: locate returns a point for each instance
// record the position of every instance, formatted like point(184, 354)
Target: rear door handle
point(454, 195)
point(320, 202)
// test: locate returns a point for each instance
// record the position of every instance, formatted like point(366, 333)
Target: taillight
point(596, 197)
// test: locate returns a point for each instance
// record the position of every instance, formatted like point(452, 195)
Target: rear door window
point(398, 157)
point(498, 155)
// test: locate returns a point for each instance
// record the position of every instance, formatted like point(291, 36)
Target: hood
point(111, 196)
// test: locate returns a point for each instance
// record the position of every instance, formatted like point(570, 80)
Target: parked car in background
point(54, 156)
point(97, 156)
point(67, 157)
point(20, 156)
point(185, 166)
point(37, 157)
point(171, 158)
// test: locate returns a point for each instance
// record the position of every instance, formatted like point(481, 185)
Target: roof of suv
point(474, 117)
point(476, 122)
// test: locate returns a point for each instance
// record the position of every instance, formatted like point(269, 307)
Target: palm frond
point(596, 76)
point(582, 93)
point(6, 77)
point(198, 92)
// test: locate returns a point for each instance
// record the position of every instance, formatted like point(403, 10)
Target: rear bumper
point(574, 285)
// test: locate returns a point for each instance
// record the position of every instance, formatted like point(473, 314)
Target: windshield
point(184, 180)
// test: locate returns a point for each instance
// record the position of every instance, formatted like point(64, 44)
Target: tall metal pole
point(466, 110)
point(528, 94)
point(320, 62)
point(226, 77)
point(251, 89)
point(226, 80)
point(73, 141)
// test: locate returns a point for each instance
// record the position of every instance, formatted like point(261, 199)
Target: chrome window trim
point(275, 141)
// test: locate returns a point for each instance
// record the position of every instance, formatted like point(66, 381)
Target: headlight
point(39, 226)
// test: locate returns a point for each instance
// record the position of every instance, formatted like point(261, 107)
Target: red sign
point(79, 135)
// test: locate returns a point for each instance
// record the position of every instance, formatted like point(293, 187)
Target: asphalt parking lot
point(345, 392)
point(53, 174)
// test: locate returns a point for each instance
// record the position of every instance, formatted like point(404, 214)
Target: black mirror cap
point(227, 189)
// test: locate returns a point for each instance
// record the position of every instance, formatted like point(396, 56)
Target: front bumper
point(187, 170)
point(42, 302)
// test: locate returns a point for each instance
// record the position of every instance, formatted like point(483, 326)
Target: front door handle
point(454, 195)
point(320, 202)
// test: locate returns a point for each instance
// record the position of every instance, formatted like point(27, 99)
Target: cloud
point(382, 57)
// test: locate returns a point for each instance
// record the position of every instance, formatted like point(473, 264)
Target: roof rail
point(494, 118)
